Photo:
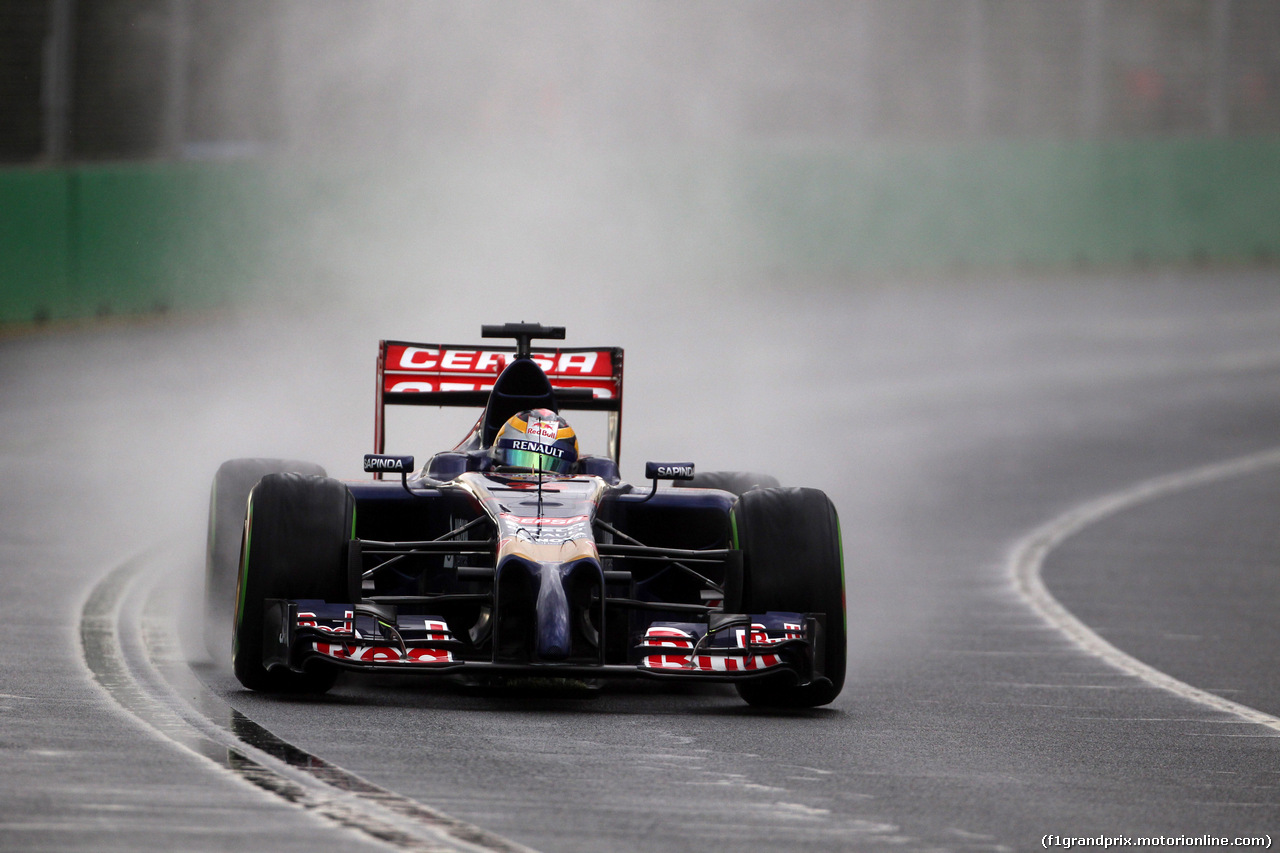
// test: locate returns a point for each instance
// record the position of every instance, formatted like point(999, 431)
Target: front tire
point(227, 499)
point(792, 560)
point(296, 536)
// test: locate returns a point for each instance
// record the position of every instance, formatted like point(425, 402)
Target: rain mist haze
point(964, 265)
point(730, 191)
point(598, 149)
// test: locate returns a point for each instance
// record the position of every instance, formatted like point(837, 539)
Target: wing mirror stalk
point(380, 463)
point(656, 471)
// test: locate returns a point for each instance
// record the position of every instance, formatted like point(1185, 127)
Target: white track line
point(129, 659)
point(1030, 552)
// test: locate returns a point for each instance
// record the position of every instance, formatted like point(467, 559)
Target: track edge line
point(100, 626)
point(1029, 553)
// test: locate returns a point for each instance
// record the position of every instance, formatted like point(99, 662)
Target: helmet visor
point(522, 454)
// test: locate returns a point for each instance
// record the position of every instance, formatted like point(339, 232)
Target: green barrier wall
point(127, 239)
point(131, 239)
point(1025, 205)
point(35, 244)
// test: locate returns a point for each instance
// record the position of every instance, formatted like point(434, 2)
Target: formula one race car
point(515, 555)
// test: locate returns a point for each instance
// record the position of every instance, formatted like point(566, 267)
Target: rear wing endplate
point(414, 374)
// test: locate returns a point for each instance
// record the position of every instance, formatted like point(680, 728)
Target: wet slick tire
point(295, 546)
point(737, 482)
point(227, 500)
point(792, 561)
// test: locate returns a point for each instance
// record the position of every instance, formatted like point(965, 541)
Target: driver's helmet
point(538, 440)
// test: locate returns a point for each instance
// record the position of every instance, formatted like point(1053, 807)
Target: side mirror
point(668, 470)
point(656, 471)
point(377, 463)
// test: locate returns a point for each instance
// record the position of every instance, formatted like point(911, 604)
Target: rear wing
point(413, 374)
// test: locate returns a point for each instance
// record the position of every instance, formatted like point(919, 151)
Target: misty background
point(188, 153)
point(138, 79)
point(962, 264)
point(707, 184)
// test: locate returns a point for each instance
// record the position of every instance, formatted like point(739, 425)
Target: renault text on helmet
point(538, 440)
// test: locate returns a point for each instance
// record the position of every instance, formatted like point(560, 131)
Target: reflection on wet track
point(130, 664)
point(947, 424)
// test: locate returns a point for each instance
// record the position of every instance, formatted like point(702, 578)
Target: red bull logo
point(544, 430)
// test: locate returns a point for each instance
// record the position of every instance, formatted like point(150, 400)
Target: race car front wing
point(376, 638)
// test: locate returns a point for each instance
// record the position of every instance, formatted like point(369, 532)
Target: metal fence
point(143, 79)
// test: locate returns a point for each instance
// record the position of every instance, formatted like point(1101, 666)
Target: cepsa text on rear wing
point(421, 374)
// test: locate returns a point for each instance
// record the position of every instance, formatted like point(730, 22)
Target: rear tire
point(295, 547)
point(227, 500)
point(792, 561)
point(738, 482)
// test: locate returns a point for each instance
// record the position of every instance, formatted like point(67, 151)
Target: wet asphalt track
point(946, 422)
